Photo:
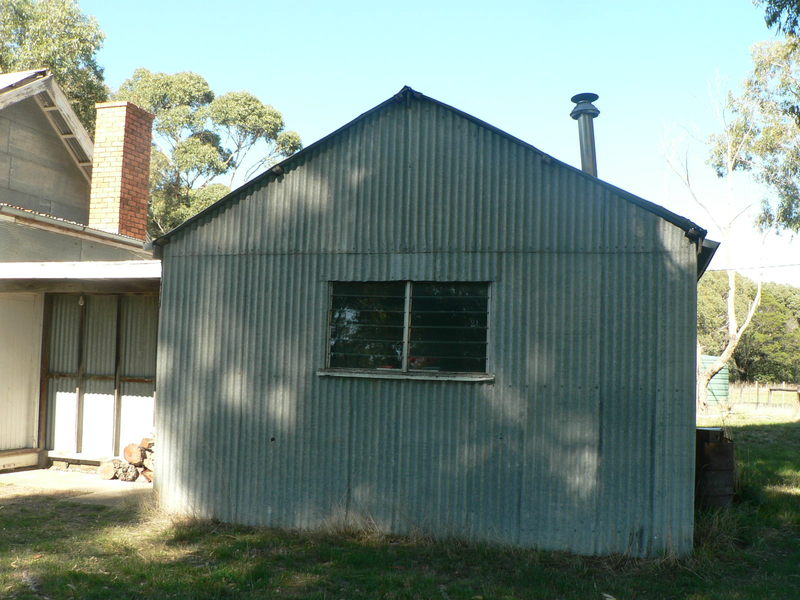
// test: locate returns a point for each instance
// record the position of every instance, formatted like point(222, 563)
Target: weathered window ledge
point(394, 374)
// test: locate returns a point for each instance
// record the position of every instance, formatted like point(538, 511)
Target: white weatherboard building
point(425, 323)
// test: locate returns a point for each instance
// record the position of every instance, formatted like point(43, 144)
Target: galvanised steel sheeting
point(64, 333)
point(137, 411)
point(719, 385)
point(100, 334)
point(582, 442)
point(568, 448)
point(90, 394)
point(98, 418)
point(371, 193)
point(62, 414)
point(20, 348)
point(139, 324)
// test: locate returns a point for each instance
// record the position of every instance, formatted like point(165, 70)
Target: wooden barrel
point(715, 468)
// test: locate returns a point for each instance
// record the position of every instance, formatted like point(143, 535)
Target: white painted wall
point(20, 363)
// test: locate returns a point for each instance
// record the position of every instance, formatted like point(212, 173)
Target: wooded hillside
point(770, 347)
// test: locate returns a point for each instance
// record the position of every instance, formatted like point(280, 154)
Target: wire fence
point(764, 394)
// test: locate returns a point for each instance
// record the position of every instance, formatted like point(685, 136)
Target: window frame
point(404, 372)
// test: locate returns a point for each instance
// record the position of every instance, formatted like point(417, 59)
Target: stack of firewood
point(139, 462)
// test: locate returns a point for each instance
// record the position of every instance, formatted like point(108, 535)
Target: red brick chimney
point(121, 169)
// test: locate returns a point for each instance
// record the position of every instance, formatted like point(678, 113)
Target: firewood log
point(147, 443)
point(134, 454)
point(149, 463)
point(108, 469)
point(148, 475)
point(128, 472)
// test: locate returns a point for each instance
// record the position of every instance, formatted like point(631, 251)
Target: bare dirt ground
point(77, 487)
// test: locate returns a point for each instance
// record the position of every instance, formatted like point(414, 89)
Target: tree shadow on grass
point(73, 550)
point(55, 549)
point(51, 547)
point(768, 465)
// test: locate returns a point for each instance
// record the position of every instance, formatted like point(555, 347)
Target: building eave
point(62, 226)
point(40, 85)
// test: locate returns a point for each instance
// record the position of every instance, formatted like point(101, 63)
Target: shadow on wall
point(578, 444)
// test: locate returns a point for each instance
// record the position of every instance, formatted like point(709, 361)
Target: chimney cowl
point(584, 105)
point(585, 112)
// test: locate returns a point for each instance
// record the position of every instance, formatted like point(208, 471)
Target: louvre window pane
point(448, 349)
point(453, 304)
point(369, 288)
point(448, 319)
point(447, 365)
point(452, 334)
point(376, 332)
point(448, 327)
point(366, 325)
point(372, 303)
point(357, 361)
point(449, 289)
point(354, 318)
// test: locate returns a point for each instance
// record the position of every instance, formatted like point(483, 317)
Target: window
point(408, 327)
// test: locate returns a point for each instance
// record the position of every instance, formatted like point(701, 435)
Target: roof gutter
point(705, 248)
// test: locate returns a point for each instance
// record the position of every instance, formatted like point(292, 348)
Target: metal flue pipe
point(585, 112)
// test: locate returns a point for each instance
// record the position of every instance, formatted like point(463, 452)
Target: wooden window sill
point(396, 374)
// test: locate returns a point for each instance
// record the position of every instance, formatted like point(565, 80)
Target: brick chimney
point(121, 170)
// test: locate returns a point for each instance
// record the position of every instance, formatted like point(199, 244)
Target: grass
point(53, 548)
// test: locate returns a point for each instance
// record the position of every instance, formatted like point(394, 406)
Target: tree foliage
point(712, 317)
point(729, 149)
point(784, 15)
point(764, 131)
point(54, 34)
point(769, 349)
point(199, 138)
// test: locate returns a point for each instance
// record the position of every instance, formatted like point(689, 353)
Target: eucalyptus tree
point(761, 136)
point(783, 15)
point(199, 138)
point(764, 133)
point(56, 35)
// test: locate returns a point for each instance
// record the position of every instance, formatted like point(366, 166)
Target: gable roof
point(40, 85)
point(406, 94)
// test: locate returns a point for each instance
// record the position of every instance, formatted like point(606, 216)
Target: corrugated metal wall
point(20, 367)
point(719, 385)
point(96, 343)
point(584, 440)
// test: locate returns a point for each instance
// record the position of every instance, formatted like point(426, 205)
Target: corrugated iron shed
point(581, 440)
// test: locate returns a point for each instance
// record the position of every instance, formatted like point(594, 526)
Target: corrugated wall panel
point(62, 414)
point(95, 336)
point(581, 442)
point(137, 412)
point(429, 198)
point(719, 385)
point(139, 335)
point(98, 418)
point(64, 351)
point(20, 368)
point(100, 334)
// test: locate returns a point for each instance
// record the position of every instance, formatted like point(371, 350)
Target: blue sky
point(660, 69)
